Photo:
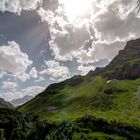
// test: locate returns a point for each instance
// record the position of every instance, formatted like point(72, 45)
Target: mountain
point(77, 93)
point(4, 104)
point(125, 65)
point(20, 101)
point(105, 101)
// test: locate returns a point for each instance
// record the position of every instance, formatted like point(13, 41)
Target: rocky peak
point(126, 65)
point(132, 47)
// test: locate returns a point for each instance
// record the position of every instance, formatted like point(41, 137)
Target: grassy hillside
point(114, 100)
point(95, 106)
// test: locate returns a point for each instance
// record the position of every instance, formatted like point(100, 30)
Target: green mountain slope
point(112, 101)
point(94, 94)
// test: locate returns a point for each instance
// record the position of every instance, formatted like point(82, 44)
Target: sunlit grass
point(74, 102)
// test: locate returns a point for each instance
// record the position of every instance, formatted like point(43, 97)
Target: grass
point(121, 105)
point(96, 136)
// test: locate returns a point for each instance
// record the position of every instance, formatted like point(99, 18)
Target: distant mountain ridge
point(4, 104)
point(20, 101)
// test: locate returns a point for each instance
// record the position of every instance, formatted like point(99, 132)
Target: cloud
point(104, 24)
point(85, 69)
point(109, 25)
point(14, 61)
point(56, 71)
point(114, 23)
point(99, 51)
point(23, 77)
point(16, 6)
point(66, 37)
point(41, 78)
point(118, 20)
point(33, 73)
point(69, 40)
point(2, 74)
point(46, 15)
point(9, 85)
point(50, 4)
point(31, 91)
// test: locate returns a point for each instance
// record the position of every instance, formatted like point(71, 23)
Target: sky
point(48, 41)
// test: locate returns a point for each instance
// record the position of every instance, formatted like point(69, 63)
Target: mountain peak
point(132, 47)
point(126, 65)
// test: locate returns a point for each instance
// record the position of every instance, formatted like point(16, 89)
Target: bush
point(102, 101)
point(40, 130)
point(64, 131)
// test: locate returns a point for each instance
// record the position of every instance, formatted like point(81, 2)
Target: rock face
point(4, 104)
point(126, 65)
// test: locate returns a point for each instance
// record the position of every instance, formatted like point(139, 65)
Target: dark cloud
point(50, 4)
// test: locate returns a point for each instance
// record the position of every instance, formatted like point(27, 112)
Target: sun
point(76, 8)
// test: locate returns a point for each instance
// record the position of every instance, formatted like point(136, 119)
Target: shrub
point(64, 131)
point(102, 101)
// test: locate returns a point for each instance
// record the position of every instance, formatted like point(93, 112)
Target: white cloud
point(66, 37)
point(9, 85)
point(85, 69)
point(64, 43)
point(56, 71)
point(46, 15)
point(16, 6)
point(2, 74)
point(23, 77)
point(113, 22)
point(99, 50)
point(14, 61)
point(31, 91)
point(33, 73)
point(40, 79)
point(117, 20)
